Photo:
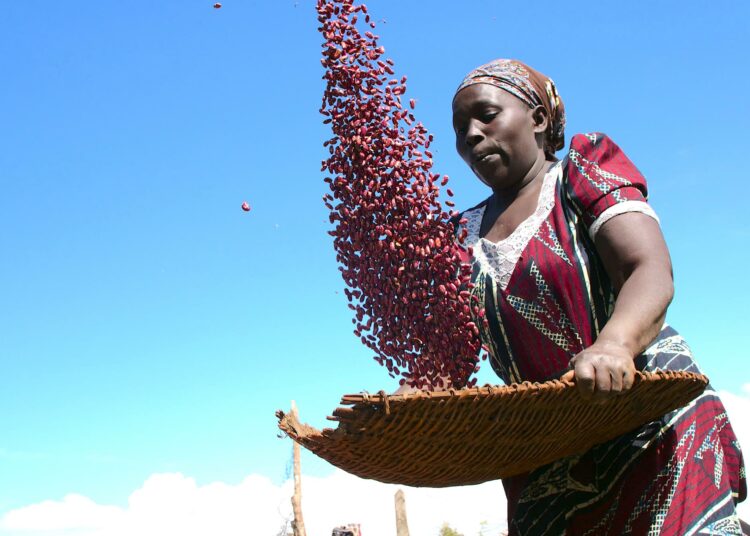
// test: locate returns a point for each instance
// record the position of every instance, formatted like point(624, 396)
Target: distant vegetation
point(446, 530)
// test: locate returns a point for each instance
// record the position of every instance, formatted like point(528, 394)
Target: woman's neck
point(528, 184)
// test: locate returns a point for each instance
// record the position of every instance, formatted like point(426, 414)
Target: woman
point(570, 263)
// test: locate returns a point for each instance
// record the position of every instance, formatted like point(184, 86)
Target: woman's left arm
point(637, 261)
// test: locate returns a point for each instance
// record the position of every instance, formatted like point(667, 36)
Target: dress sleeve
point(601, 182)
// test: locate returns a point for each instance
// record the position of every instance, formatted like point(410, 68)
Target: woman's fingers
point(628, 378)
point(617, 381)
point(600, 376)
point(568, 376)
point(603, 383)
point(585, 374)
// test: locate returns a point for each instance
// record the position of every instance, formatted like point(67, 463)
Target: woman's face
point(496, 134)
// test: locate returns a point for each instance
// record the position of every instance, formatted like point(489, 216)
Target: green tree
point(446, 530)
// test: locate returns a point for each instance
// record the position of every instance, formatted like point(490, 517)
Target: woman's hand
point(602, 371)
point(407, 389)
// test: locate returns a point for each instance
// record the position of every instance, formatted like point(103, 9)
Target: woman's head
point(507, 116)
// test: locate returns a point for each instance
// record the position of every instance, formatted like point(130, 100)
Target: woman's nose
point(473, 134)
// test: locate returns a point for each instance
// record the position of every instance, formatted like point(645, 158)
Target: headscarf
point(529, 85)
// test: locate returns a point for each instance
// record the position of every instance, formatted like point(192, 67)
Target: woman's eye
point(488, 116)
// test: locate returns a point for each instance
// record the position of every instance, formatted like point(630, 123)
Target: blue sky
point(149, 325)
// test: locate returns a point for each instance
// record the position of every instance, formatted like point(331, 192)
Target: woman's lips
point(483, 159)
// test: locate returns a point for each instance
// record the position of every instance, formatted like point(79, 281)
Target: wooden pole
point(298, 524)
point(402, 528)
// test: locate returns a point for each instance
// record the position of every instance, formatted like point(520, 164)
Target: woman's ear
point(540, 118)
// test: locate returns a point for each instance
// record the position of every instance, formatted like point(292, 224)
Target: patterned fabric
point(529, 85)
point(547, 297)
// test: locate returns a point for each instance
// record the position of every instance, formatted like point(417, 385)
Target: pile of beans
point(407, 279)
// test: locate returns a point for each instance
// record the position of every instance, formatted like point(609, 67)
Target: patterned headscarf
point(532, 87)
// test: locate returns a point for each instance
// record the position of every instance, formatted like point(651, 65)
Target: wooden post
point(402, 528)
point(298, 524)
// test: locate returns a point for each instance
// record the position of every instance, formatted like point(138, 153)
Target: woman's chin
point(492, 181)
point(487, 180)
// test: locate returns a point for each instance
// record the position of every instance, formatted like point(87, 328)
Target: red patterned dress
point(547, 297)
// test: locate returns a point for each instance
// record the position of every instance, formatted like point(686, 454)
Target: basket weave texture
point(469, 436)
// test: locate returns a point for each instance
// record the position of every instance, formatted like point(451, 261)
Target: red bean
point(410, 293)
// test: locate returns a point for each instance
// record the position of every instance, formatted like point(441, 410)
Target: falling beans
point(393, 240)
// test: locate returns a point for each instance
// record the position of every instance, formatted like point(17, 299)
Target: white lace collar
point(500, 258)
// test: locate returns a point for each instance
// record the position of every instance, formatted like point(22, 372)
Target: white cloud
point(74, 511)
point(172, 504)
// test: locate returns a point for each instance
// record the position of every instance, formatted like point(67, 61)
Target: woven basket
point(468, 436)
